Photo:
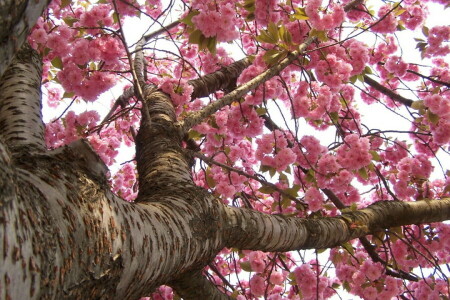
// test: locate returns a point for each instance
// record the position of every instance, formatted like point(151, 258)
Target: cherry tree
point(232, 179)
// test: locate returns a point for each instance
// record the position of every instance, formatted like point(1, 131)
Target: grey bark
point(17, 17)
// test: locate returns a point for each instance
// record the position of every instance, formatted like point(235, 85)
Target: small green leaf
point(368, 70)
point(418, 105)
point(261, 111)
point(425, 31)
point(65, 3)
point(266, 189)
point(375, 155)
point(57, 62)
point(273, 31)
point(347, 246)
point(300, 14)
point(70, 21)
point(115, 18)
point(68, 95)
point(434, 119)
point(245, 265)
point(188, 18)
point(195, 37)
point(363, 173)
point(195, 135)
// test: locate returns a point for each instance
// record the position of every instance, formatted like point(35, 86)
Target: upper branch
point(223, 79)
point(387, 92)
point(197, 117)
point(249, 229)
point(20, 102)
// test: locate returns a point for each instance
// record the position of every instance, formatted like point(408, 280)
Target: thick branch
point(161, 163)
point(223, 79)
point(384, 90)
point(253, 230)
point(197, 117)
point(20, 102)
point(16, 20)
point(195, 285)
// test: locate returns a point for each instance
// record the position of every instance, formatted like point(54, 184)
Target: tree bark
point(17, 17)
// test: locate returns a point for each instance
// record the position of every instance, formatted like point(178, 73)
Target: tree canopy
point(263, 133)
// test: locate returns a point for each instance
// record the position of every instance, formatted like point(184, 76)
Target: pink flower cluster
point(272, 151)
point(265, 12)
point(59, 133)
point(217, 21)
point(440, 106)
point(364, 277)
point(387, 22)
point(436, 36)
point(414, 16)
point(311, 285)
point(333, 72)
point(314, 108)
point(411, 170)
point(326, 21)
point(178, 90)
point(354, 153)
point(124, 182)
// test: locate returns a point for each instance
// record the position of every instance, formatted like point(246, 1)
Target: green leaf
point(266, 189)
point(70, 21)
point(261, 111)
point(211, 44)
point(285, 35)
point(65, 3)
point(188, 18)
point(273, 56)
point(418, 105)
point(195, 37)
point(300, 14)
point(375, 155)
point(425, 31)
point(266, 37)
point(363, 173)
point(311, 176)
point(434, 119)
point(57, 62)
point(273, 30)
point(195, 135)
point(209, 180)
point(347, 246)
point(368, 70)
point(115, 18)
point(68, 95)
point(245, 265)
point(320, 34)
point(334, 116)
